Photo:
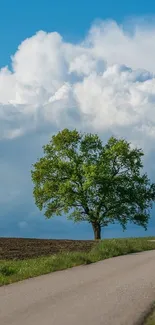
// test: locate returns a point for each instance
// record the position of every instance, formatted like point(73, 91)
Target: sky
point(87, 65)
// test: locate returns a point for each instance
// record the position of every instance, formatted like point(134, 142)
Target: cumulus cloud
point(107, 81)
point(105, 84)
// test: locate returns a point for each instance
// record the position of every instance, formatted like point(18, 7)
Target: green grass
point(12, 271)
point(151, 320)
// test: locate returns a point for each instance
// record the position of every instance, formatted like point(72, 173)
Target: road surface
point(116, 291)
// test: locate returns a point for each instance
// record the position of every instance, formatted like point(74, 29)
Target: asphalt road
point(117, 291)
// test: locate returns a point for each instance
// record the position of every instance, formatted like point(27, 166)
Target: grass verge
point(151, 319)
point(16, 270)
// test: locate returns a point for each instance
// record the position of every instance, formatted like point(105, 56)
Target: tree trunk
point(97, 230)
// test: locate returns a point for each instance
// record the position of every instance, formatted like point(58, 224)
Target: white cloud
point(133, 45)
point(105, 84)
point(117, 100)
point(52, 80)
point(101, 84)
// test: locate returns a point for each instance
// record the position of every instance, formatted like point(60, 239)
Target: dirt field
point(23, 248)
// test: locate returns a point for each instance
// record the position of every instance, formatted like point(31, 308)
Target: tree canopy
point(88, 181)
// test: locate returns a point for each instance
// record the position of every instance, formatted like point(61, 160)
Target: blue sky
point(56, 52)
point(72, 19)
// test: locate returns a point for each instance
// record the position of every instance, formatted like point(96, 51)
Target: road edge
point(146, 314)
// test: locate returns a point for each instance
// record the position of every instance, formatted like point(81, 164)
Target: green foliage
point(92, 182)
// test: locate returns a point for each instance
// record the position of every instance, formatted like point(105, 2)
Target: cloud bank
point(104, 84)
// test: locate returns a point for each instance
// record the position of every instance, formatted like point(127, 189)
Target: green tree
point(92, 182)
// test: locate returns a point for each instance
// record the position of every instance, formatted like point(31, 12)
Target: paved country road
point(117, 291)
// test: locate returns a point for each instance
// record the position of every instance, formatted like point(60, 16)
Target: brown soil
point(24, 248)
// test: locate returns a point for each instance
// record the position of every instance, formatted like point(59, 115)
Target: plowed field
point(23, 248)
